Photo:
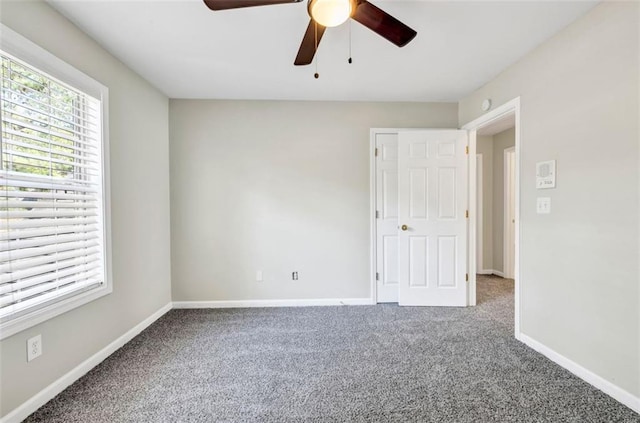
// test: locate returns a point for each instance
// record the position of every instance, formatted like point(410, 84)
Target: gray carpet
point(379, 363)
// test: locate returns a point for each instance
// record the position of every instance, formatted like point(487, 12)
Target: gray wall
point(501, 141)
point(579, 273)
point(139, 205)
point(278, 187)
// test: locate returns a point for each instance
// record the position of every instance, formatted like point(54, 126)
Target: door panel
point(447, 256)
point(432, 195)
point(447, 193)
point(418, 272)
point(390, 257)
point(390, 193)
point(418, 193)
point(387, 220)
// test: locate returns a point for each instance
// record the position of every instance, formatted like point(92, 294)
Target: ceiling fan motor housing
point(330, 13)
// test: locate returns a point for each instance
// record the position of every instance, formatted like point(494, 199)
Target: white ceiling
point(188, 51)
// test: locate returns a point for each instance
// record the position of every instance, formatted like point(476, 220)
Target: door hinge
point(466, 149)
point(377, 214)
point(466, 214)
point(376, 152)
point(466, 277)
point(377, 276)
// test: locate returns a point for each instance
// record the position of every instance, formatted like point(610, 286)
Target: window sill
point(14, 326)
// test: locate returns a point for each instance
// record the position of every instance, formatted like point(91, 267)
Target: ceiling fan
point(330, 13)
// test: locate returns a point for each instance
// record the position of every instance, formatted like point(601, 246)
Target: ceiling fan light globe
point(330, 13)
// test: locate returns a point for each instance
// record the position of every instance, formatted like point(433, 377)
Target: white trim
point(516, 261)
point(472, 203)
point(273, 303)
point(480, 211)
point(496, 114)
point(18, 324)
point(510, 107)
point(506, 199)
point(372, 213)
point(588, 376)
point(48, 393)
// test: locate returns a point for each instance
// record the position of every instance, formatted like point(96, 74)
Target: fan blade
point(383, 23)
point(236, 4)
point(309, 43)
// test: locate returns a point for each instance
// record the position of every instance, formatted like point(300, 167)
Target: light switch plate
point(543, 205)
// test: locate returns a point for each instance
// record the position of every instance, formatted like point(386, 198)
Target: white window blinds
point(51, 193)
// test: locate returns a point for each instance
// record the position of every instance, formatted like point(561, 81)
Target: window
point(53, 220)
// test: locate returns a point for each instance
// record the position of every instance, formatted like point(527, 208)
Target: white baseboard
point(490, 272)
point(48, 393)
point(273, 303)
point(588, 376)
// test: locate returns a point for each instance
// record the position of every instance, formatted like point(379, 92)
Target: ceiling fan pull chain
point(350, 59)
point(315, 56)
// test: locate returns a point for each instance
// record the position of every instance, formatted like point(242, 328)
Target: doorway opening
point(495, 199)
point(494, 174)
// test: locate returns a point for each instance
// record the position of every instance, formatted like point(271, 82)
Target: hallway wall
point(492, 149)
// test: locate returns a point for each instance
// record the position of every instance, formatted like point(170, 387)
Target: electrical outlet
point(34, 347)
point(294, 276)
point(259, 276)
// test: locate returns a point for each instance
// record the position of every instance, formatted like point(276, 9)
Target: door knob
point(404, 227)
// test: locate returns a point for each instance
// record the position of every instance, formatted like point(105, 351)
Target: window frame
point(20, 47)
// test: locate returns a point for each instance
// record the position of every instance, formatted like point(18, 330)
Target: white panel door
point(432, 233)
point(387, 217)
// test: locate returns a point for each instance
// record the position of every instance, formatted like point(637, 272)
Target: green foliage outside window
point(40, 124)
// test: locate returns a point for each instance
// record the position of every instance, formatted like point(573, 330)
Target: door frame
point(479, 211)
point(502, 111)
point(508, 271)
